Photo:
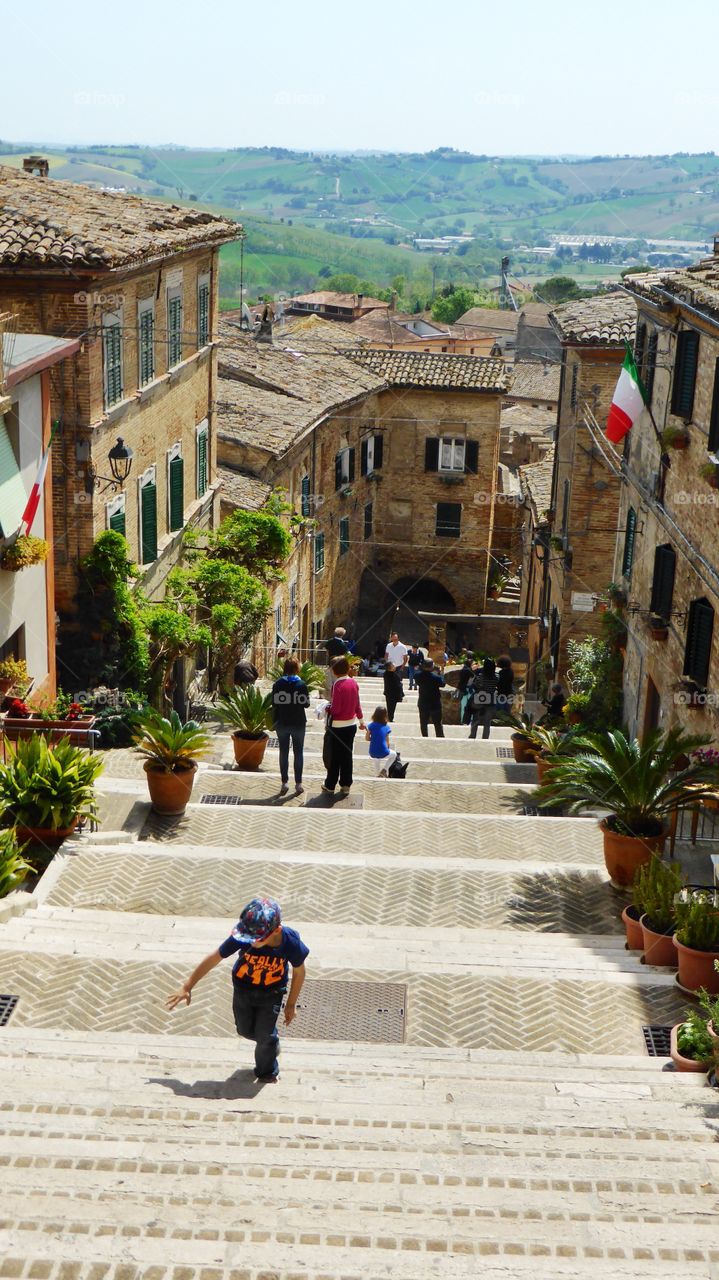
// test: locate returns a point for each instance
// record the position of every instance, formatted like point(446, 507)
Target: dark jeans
point(391, 706)
point(483, 716)
point(412, 675)
point(256, 1015)
point(431, 715)
point(341, 742)
point(294, 733)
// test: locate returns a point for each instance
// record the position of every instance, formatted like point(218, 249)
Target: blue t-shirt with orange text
point(265, 967)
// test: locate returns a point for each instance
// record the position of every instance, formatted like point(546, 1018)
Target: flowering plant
point(18, 708)
point(75, 711)
point(707, 755)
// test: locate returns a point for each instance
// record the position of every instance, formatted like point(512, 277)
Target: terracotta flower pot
point(45, 835)
point(658, 947)
point(249, 751)
point(711, 802)
point(680, 1062)
point(573, 717)
point(524, 752)
point(632, 929)
point(659, 633)
point(170, 790)
point(624, 854)
point(6, 684)
point(696, 968)
point(680, 442)
point(543, 763)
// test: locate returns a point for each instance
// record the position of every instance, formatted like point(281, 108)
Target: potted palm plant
point(313, 676)
point(631, 917)
point(250, 713)
point(551, 747)
point(697, 940)
point(170, 749)
point(636, 781)
point(45, 790)
point(523, 744)
point(660, 884)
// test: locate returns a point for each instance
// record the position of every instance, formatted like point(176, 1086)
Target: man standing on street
point(415, 658)
point(337, 646)
point(397, 653)
point(429, 698)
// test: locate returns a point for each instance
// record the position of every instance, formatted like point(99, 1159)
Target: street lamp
point(120, 459)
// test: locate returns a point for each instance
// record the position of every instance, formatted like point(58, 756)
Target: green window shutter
point(13, 498)
point(319, 552)
point(305, 498)
point(629, 540)
point(177, 493)
point(203, 315)
point(699, 642)
point(651, 365)
point(147, 347)
point(449, 517)
point(148, 523)
point(344, 530)
point(665, 561)
point(117, 522)
point(685, 373)
point(174, 330)
point(713, 443)
point(112, 351)
point(201, 464)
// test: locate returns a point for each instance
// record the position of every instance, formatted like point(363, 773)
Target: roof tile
point(608, 320)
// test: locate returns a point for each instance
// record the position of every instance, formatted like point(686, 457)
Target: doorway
point(652, 708)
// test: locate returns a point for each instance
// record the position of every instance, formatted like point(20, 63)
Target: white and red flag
point(628, 401)
point(33, 501)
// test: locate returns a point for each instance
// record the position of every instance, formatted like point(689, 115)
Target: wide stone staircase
point(465, 1091)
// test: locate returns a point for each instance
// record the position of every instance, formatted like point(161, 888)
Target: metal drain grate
point(504, 753)
point(7, 1008)
point(220, 799)
point(529, 811)
point(273, 742)
point(657, 1040)
point(375, 1012)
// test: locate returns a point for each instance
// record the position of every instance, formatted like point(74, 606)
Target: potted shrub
point(576, 707)
point(45, 789)
point(13, 867)
point(496, 585)
point(660, 884)
point(675, 438)
point(692, 1047)
point(658, 628)
point(631, 917)
point(553, 746)
point(637, 782)
point(49, 718)
point(616, 595)
point(523, 744)
point(12, 671)
point(170, 749)
point(24, 552)
point(697, 940)
point(250, 713)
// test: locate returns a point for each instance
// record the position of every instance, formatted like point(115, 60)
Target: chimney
point(393, 300)
point(37, 165)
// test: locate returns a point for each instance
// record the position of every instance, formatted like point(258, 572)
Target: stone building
point(136, 281)
point(585, 484)
point(536, 488)
point(393, 454)
point(667, 556)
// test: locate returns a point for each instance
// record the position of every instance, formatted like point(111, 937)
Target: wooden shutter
point(203, 315)
point(713, 442)
point(201, 463)
point(651, 365)
point(665, 562)
point(305, 496)
point(363, 458)
point(685, 373)
point(699, 642)
point(378, 452)
point(147, 347)
point(431, 453)
point(565, 507)
point(177, 493)
point(351, 465)
point(319, 552)
point(629, 538)
point(368, 520)
point(471, 457)
point(174, 330)
point(338, 471)
point(112, 342)
point(13, 498)
point(117, 521)
point(148, 523)
point(640, 346)
point(449, 516)
point(573, 391)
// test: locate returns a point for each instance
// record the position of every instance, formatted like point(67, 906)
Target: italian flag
point(627, 402)
point(33, 501)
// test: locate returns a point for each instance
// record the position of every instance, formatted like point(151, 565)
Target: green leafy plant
point(635, 780)
point(673, 436)
point(47, 786)
point(710, 1005)
point(248, 711)
point(697, 917)
point(167, 744)
point(659, 885)
point(14, 669)
point(313, 676)
point(693, 1038)
point(595, 671)
point(24, 552)
point(578, 704)
point(616, 593)
point(522, 722)
point(13, 867)
point(110, 644)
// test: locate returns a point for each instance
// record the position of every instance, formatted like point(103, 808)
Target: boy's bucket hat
point(258, 920)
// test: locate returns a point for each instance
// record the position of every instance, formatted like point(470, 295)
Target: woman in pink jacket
point(343, 713)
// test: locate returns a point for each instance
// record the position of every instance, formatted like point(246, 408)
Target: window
point(147, 484)
point(279, 638)
point(629, 538)
point(145, 341)
point(665, 561)
point(371, 455)
point(344, 467)
point(174, 326)
point(293, 599)
point(13, 497)
point(115, 514)
point(344, 531)
point(640, 347)
point(203, 310)
point(305, 504)
point(201, 459)
point(713, 442)
point(112, 357)
point(573, 391)
point(451, 453)
point(449, 517)
point(650, 365)
point(368, 521)
point(685, 373)
point(319, 552)
point(699, 642)
point(175, 488)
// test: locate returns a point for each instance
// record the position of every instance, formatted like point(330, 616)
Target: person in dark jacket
point(415, 658)
point(484, 696)
point(245, 672)
point(393, 691)
point(505, 683)
point(463, 683)
point(337, 646)
point(290, 698)
point(429, 698)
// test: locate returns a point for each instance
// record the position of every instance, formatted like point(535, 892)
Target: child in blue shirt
point(380, 752)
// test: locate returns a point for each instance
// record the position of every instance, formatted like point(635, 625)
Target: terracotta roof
point(435, 370)
point(605, 321)
point(525, 419)
point(535, 380)
point(697, 285)
point(491, 319)
point(44, 223)
point(536, 481)
point(240, 489)
point(327, 298)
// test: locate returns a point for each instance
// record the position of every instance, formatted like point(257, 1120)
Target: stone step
point(405, 728)
point(404, 795)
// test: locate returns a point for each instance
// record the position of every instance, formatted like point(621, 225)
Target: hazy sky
point(479, 75)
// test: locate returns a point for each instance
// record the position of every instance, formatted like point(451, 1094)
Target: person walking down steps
point(343, 713)
point(290, 699)
point(378, 733)
point(483, 690)
point(429, 698)
point(393, 691)
point(265, 950)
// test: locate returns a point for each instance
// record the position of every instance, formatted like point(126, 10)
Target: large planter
point(16, 727)
point(249, 751)
point(6, 684)
point(623, 855)
point(524, 752)
point(696, 969)
point(170, 789)
point(680, 1062)
point(632, 929)
point(658, 947)
point(543, 763)
point(44, 835)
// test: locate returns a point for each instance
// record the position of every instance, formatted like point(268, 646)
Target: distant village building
point(536, 339)
point(535, 383)
point(334, 306)
point(500, 325)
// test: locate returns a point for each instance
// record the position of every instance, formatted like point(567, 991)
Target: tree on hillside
point(559, 289)
point(449, 308)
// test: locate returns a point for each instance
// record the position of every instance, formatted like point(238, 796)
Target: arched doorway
point(397, 607)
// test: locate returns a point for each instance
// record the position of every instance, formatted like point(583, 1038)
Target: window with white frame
point(293, 599)
point(201, 459)
point(115, 514)
point(145, 341)
point(174, 325)
point(175, 488)
point(203, 310)
point(112, 357)
point(451, 453)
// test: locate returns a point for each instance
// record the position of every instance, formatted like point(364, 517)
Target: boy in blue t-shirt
point(265, 949)
point(380, 752)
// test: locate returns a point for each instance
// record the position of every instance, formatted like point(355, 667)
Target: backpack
point(397, 769)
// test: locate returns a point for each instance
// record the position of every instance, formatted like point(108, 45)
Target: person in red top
point(342, 715)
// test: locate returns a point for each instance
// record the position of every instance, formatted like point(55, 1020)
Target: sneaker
point(299, 789)
point(344, 791)
point(284, 789)
point(271, 1079)
point(327, 790)
point(382, 773)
